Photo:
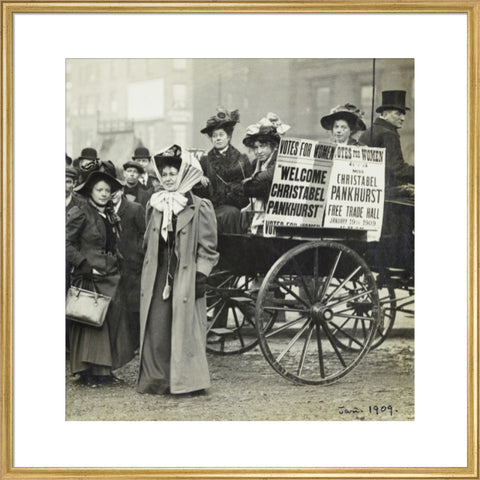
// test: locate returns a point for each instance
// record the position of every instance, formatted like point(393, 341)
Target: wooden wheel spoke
point(304, 349)
point(339, 287)
point(239, 329)
point(352, 297)
point(320, 352)
point(284, 326)
point(213, 305)
point(292, 342)
point(358, 317)
point(286, 309)
point(326, 284)
point(215, 318)
point(291, 292)
point(350, 337)
point(333, 343)
point(302, 280)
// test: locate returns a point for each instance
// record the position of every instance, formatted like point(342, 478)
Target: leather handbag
point(87, 307)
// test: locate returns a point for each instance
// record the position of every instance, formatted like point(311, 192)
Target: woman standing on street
point(181, 242)
point(343, 122)
point(92, 231)
point(224, 168)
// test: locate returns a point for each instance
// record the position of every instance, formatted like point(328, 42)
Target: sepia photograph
point(240, 229)
point(245, 281)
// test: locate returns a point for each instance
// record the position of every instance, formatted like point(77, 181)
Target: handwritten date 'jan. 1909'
point(371, 410)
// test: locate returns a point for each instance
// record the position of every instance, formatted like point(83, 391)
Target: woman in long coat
point(181, 242)
point(224, 168)
point(92, 231)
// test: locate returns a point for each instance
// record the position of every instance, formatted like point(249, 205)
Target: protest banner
point(356, 190)
point(299, 188)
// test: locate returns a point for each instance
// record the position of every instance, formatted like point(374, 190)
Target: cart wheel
point(315, 286)
point(230, 314)
point(388, 306)
point(388, 314)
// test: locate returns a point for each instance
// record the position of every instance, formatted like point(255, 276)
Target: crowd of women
point(154, 262)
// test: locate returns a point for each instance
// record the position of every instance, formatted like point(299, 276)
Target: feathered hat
point(269, 128)
point(222, 119)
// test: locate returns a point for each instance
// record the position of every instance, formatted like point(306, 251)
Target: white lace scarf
point(169, 203)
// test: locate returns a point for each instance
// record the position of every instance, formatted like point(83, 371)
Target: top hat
point(170, 157)
point(348, 112)
point(222, 119)
point(141, 152)
point(268, 129)
point(136, 165)
point(393, 100)
point(95, 177)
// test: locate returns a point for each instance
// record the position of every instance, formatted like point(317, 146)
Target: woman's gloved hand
point(84, 269)
point(200, 285)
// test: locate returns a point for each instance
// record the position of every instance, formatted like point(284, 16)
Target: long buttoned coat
point(195, 249)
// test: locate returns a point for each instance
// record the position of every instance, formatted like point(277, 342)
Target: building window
point(322, 99)
point(180, 135)
point(179, 63)
point(179, 96)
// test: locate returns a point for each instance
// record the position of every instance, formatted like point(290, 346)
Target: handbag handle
point(95, 290)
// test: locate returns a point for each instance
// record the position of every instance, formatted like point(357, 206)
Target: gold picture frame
point(469, 7)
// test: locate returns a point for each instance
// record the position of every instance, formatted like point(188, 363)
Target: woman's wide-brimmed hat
point(393, 100)
point(141, 152)
point(269, 129)
point(95, 177)
point(136, 165)
point(222, 119)
point(169, 157)
point(348, 112)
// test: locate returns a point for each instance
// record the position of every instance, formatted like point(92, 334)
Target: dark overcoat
point(107, 347)
point(130, 247)
point(261, 182)
point(385, 135)
point(196, 251)
point(225, 172)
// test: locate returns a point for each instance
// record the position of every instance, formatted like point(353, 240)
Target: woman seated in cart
point(263, 139)
point(344, 121)
point(224, 168)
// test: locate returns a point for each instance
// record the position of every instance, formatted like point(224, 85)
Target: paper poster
point(356, 190)
point(299, 189)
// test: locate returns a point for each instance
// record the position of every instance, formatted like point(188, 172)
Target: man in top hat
point(143, 158)
point(133, 190)
point(398, 218)
point(89, 162)
point(384, 134)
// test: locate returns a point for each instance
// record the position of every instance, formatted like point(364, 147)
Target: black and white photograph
point(266, 265)
point(239, 239)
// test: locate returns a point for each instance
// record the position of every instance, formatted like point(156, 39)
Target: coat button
point(185, 266)
point(184, 232)
point(185, 300)
point(146, 261)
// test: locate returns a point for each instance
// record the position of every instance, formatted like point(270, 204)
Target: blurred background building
point(116, 105)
